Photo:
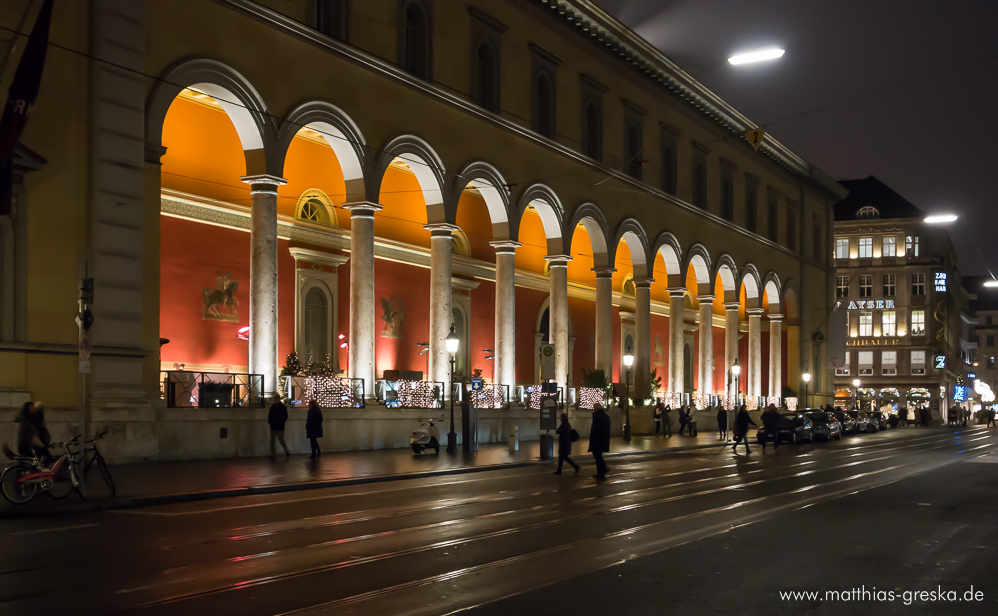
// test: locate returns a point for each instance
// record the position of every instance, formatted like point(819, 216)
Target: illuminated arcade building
point(352, 179)
point(908, 315)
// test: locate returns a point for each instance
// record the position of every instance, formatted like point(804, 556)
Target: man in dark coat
point(684, 420)
point(769, 420)
point(599, 440)
point(742, 421)
point(277, 417)
point(722, 423)
point(313, 428)
point(564, 432)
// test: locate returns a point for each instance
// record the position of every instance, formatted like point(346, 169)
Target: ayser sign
point(871, 304)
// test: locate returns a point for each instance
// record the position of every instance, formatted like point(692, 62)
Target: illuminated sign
point(959, 393)
point(940, 362)
point(941, 282)
point(971, 375)
point(871, 304)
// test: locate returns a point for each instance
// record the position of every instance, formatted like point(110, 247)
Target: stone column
point(754, 382)
point(731, 345)
point(706, 374)
point(362, 328)
point(676, 339)
point(558, 317)
point(505, 345)
point(775, 355)
point(642, 338)
point(441, 296)
point(604, 320)
point(263, 279)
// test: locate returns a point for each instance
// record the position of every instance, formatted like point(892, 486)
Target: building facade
point(907, 312)
point(351, 180)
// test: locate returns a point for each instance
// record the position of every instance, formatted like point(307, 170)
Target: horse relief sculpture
point(393, 317)
point(221, 297)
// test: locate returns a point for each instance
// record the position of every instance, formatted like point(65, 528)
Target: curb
point(187, 497)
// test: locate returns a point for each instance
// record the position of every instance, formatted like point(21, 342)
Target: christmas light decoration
point(490, 396)
point(791, 404)
point(414, 394)
point(774, 400)
point(334, 392)
point(751, 403)
point(589, 397)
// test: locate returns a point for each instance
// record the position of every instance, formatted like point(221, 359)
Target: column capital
point(642, 283)
point(755, 312)
point(732, 306)
point(263, 183)
point(675, 292)
point(441, 229)
point(558, 260)
point(362, 209)
point(775, 317)
point(604, 272)
point(505, 246)
point(705, 299)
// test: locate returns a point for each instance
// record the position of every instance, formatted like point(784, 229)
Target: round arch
point(631, 232)
point(339, 131)
point(771, 289)
point(790, 306)
point(548, 206)
point(667, 245)
point(234, 93)
point(493, 187)
point(728, 272)
point(698, 258)
point(425, 165)
point(753, 285)
point(594, 222)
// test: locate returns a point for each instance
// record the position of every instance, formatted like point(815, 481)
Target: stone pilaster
point(754, 381)
point(676, 336)
point(706, 368)
point(362, 328)
point(775, 354)
point(505, 345)
point(441, 296)
point(730, 343)
point(558, 316)
point(642, 338)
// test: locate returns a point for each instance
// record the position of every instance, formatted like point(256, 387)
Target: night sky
point(905, 91)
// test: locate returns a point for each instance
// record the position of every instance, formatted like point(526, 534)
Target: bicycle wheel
point(13, 490)
point(79, 481)
point(105, 472)
point(62, 483)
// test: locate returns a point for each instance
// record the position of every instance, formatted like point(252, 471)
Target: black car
point(824, 424)
point(848, 423)
point(793, 427)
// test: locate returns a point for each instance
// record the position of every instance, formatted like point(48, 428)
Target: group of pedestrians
point(663, 419)
point(599, 442)
point(277, 418)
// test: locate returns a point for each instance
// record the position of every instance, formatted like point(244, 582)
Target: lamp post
point(628, 362)
point(735, 371)
point(856, 384)
point(453, 342)
point(806, 377)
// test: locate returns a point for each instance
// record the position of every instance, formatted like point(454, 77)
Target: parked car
point(824, 424)
point(881, 418)
point(864, 422)
point(793, 427)
point(848, 423)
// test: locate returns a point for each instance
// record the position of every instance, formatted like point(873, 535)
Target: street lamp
point(628, 362)
point(757, 55)
point(806, 377)
point(855, 384)
point(940, 219)
point(735, 371)
point(453, 342)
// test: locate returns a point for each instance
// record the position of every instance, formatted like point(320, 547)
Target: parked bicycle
point(20, 481)
point(91, 456)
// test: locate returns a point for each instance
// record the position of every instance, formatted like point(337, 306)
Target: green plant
point(656, 381)
point(292, 367)
point(476, 373)
point(596, 379)
point(788, 392)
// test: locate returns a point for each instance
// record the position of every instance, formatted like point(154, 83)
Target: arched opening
point(416, 41)
point(316, 325)
point(487, 71)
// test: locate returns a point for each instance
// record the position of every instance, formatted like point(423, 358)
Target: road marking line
point(51, 530)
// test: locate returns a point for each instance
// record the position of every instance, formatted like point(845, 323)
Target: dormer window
point(867, 211)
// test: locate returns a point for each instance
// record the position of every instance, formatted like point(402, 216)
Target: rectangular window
point(751, 205)
point(866, 248)
point(866, 285)
point(991, 340)
point(727, 195)
point(866, 324)
point(668, 160)
point(818, 250)
point(888, 363)
point(987, 320)
point(917, 322)
point(865, 362)
point(889, 323)
point(889, 248)
point(841, 248)
point(841, 286)
point(329, 17)
point(918, 284)
point(843, 371)
point(918, 362)
point(792, 226)
point(911, 245)
point(774, 218)
point(890, 285)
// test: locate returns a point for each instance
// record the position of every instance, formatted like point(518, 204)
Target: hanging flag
point(755, 136)
point(22, 93)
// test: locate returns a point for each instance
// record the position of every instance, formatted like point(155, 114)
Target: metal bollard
point(514, 438)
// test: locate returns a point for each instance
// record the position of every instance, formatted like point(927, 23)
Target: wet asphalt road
point(693, 533)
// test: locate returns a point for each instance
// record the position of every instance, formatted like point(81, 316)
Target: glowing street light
point(628, 362)
point(452, 342)
point(940, 219)
point(806, 377)
point(991, 283)
point(757, 55)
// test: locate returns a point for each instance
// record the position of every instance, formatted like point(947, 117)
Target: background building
point(908, 315)
point(246, 179)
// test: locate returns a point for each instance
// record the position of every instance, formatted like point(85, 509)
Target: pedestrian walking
point(657, 416)
point(991, 418)
point(599, 440)
point(742, 421)
point(313, 428)
point(902, 417)
point(770, 418)
point(565, 437)
point(667, 421)
point(684, 420)
point(722, 423)
point(277, 418)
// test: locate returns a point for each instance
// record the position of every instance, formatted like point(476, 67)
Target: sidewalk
point(153, 483)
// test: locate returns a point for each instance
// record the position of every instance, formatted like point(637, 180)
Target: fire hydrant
point(514, 438)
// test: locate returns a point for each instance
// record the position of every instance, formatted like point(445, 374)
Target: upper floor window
point(911, 245)
point(841, 248)
point(841, 286)
point(917, 322)
point(633, 140)
point(592, 133)
point(890, 285)
point(866, 285)
point(987, 320)
point(544, 105)
point(991, 340)
point(818, 251)
point(415, 43)
point(918, 284)
point(889, 323)
point(791, 227)
point(668, 160)
point(727, 196)
point(889, 247)
point(700, 183)
point(868, 211)
point(866, 248)
point(751, 205)
point(866, 324)
point(774, 218)
point(487, 76)
point(329, 17)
